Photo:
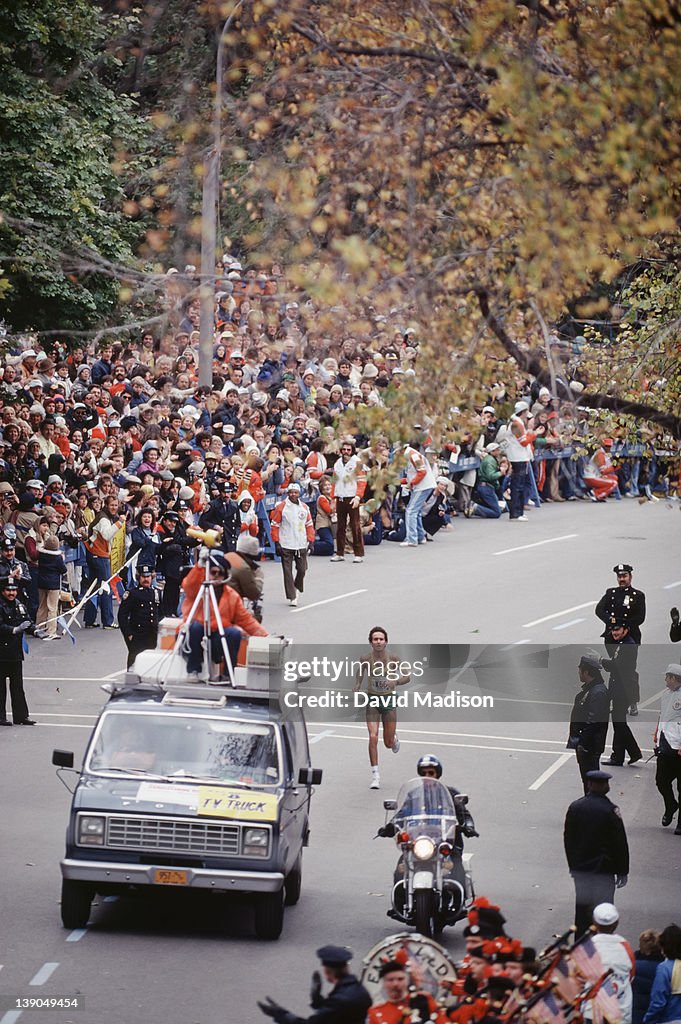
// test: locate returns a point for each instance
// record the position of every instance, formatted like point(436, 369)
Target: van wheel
point(76, 898)
point(269, 914)
point(293, 884)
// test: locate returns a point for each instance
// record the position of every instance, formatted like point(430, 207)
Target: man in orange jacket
point(235, 619)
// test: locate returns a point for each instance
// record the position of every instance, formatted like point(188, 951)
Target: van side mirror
point(309, 776)
point(62, 758)
point(390, 805)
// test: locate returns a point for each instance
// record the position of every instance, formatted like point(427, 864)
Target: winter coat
point(51, 568)
point(230, 605)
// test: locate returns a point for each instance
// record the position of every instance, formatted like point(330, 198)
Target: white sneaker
point(424, 541)
point(375, 781)
point(408, 544)
point(357, 559)
point(337, 558)
point(293, 602)
point(520, 519)
point(396, 745)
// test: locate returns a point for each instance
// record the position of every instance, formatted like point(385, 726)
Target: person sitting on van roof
point(236, 620)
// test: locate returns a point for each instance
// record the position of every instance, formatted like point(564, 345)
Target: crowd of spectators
point(114, 450)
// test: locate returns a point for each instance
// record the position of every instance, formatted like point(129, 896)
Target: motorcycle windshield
point(425, 803)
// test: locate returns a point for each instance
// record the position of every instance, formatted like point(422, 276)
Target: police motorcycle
point(433, 884)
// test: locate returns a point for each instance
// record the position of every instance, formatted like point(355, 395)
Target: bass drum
point(429, 965)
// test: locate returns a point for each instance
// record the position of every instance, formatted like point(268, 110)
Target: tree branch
point(530, 362)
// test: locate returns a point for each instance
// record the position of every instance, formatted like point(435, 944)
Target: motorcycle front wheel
point(423, 912)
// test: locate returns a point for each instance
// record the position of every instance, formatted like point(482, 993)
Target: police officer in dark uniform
point(596, 848)
point(622, 602)
point(590, 715)
point(172, 558)
point(139, 614)
point(346, 1003)
point(10, 565)
point(675, 628)
point(14, 622)
point(223, 513)
point(623, 690)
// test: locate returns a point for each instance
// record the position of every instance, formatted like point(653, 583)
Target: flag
point(605, 1005)
point(546, 1010)
point(24, 643)
point(62, 622)
point(586, 960)
point(567, 984)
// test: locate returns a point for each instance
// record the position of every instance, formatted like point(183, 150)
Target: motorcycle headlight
point(424, 848)
point(256, 842)
point(90, 830)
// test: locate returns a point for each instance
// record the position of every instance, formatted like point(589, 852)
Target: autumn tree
point(477, 165)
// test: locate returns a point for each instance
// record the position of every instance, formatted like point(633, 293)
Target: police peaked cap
point(622, 567)
point(598, 776)
point(144, 570)
point(590, 661)
point(334, 956)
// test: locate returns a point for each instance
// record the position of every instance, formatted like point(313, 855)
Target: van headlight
point(91, 829)
point(424, 848)
point(256, 842)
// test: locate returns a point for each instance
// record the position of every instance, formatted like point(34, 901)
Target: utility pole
point(209, 205)
point(209, 208)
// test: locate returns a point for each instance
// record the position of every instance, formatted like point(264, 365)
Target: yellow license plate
point(163, 876)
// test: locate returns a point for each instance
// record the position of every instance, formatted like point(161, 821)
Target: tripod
point(207, 601)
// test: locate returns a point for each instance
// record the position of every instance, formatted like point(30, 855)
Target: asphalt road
point(180, 962)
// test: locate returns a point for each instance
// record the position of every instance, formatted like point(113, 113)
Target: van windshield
point(185, 747)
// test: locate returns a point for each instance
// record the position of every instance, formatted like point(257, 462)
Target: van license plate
point(162, 876)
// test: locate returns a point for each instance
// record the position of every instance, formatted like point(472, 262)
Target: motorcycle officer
point(430, 767)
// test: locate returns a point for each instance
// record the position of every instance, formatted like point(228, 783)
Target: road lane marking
point(44, 974)
point(671, 586)
point(76, 935)
point(60, 714)
point(564, 625)
point(328, 600)
point(463, 735)
point(536, 544)
point(463, 746)
point(321, 735)
point(114, 675)
point(64, 679)
point(651, 700)
point(558, 615)
point(516, 643)
point(551, 770)
point(63, 725)
point(11, 1016)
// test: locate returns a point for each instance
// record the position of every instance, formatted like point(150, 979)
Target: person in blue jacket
point(665, 997)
